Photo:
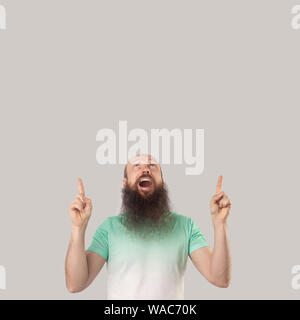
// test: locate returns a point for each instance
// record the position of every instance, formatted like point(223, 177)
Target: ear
point(124, 182)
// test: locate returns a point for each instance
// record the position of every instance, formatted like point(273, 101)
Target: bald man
point(146, 245)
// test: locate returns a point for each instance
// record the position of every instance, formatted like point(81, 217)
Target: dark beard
point(147, 216)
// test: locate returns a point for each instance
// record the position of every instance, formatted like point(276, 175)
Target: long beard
point(147, 216)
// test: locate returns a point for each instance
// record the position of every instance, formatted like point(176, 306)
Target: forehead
point(144, 159)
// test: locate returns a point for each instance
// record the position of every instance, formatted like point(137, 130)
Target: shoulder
point(185, 221)
point(181, 219)
point(109, 223)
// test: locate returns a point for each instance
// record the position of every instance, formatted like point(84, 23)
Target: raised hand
point(220, 203)
point(81, 207)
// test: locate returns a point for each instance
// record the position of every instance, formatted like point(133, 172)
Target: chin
point(146, 194)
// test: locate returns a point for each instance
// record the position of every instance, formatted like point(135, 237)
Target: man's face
point(143, 174)
point(145, 199)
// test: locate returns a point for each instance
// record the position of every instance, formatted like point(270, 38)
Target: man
point(146, 246)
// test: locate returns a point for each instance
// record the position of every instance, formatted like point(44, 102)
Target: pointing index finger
point(81, 188)
point(219, 184)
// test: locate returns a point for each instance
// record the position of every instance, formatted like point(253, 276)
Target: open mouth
point(145, 183)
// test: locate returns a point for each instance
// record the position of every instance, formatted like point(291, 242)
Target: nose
point(146, 170)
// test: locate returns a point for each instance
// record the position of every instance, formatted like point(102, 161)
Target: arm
point(81, 267)
point(215, 264)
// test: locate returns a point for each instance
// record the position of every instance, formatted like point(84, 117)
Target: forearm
point(76, 261)
point(220, 267)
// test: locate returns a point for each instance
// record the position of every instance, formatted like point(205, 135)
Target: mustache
point(144, 176)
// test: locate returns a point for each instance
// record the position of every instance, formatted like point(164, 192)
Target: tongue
point(145, 184)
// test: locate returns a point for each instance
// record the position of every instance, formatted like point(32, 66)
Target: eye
point(152, 165)
point(136, 165)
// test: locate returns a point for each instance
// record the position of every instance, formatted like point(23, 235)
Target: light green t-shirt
point(146, 269)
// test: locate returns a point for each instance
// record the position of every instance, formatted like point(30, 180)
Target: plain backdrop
point(69, 68)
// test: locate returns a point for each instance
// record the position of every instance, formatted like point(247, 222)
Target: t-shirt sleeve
point(196, 237)
point(99, 242)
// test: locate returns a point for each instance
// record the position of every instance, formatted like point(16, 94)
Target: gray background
point(70, 68)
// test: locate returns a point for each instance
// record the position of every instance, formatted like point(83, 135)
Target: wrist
point(78, 230)
point(219, 223)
